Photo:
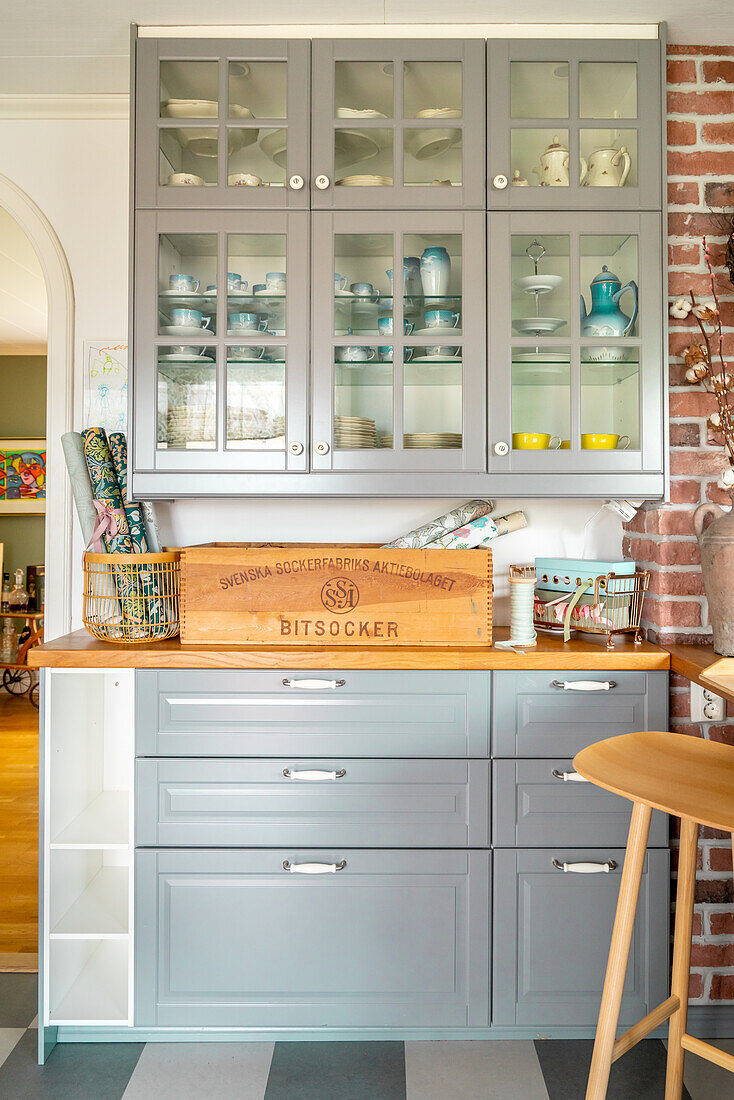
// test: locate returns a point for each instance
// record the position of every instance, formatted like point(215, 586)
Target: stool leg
point(624, 922)
point(681, 955)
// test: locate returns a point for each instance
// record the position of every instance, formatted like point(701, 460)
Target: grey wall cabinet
point(574, 125)
point(552, 930)
point(398, 124)
point(392, 938)
point(215, 116)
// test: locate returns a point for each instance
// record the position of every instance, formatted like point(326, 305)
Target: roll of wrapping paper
point(81, 486)
point(479, 532)
point(151, 526)
point(133, 512)
point(444, 525)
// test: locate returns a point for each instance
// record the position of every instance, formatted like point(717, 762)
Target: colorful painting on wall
point(22, 475)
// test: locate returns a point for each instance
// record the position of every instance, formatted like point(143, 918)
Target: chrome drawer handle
point(313, 868)
point(313, 685)
point(586, 868)
point(584, 685)
point(568, 777)
point(313, 776)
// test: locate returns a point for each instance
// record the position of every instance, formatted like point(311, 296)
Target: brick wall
point(700, 176)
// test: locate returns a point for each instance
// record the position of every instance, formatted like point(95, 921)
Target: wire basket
point(612, 606)
point(132, 597)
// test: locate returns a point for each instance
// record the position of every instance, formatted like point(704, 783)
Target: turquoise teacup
point(191, 318)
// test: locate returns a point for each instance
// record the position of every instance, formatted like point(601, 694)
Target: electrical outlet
point(705, 706)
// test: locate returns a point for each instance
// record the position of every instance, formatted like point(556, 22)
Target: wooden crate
point(311, 594)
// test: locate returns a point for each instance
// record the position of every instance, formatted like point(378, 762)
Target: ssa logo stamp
point(340, 595)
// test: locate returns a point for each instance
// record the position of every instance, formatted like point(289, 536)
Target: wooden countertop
point(80, 650)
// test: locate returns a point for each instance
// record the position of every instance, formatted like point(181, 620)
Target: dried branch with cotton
point(706, 365)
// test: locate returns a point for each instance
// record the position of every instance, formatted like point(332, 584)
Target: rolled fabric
point(135, 522)
point(151, 526)
point(105, 486)
point(81, 487)
point(444, 525)
point(479, 532)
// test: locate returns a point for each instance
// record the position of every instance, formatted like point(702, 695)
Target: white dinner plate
point(356, 112)
point(539, 357)
point(189, 358)
point(185, 330)
point(188, 300)
point(437, 359)
point(536, 326)
point(352, 146)
point(439, 112)
point(438, 330)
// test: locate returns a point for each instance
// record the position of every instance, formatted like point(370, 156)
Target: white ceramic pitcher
point(607, 168)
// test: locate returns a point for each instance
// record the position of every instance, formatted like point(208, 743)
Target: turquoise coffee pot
point(606, 318)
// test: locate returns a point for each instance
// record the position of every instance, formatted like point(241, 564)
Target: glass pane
point(609, 294)
point(540, 158)
point(362, 282)
point(187, 266)
point(432, 156)
point(610, 156)
point(432, 397)
point(187, 398)
point(188, 156)
point(353, 148)
point(432, 89)
point(363, 398)
point(363, 89)
point(257, 89)
point(432, 283)
point(610, 399)
point(256, 283)
point(541, 398)
point(540, 294)
point(255, 398)
point(189, 89)
point(608, 89)
point(257, 158)
point(539, 89)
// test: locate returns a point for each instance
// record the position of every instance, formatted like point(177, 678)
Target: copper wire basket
point(132, 597)
point(613, 605)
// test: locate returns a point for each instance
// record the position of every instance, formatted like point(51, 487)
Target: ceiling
point(22, 293)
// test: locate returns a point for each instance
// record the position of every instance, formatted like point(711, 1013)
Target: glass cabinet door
point(398, 124)
point(221, 342)
point(574, 126)
point(222, 123)
point(398, 341)
point(576, 360)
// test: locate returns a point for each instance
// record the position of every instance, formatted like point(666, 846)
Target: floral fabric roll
point(133, 512)
point(444, 525)
point(105, 487)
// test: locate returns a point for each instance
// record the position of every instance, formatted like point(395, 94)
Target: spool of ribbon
point(108, 522)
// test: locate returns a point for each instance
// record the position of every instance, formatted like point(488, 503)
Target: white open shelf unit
point(87, 911)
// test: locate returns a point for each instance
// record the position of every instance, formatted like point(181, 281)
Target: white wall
point(77, 173)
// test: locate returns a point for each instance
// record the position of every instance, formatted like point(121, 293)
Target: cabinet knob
point(501, 448)
point(296, 447)
point(322, 448)
point(322, 182)
point(500, 182)
point(296, 183)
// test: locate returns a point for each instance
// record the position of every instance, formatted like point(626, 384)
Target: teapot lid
point(605, 276)
point(556, 144)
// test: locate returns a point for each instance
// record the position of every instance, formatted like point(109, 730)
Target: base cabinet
point(231, 938)
point(552, 931)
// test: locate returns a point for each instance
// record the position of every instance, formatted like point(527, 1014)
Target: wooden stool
point(693, 780)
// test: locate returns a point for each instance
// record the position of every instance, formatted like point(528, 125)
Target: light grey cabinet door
point(576, 346)
point(222, 123)
point(353, 714)
point(398, 321)
point(542, 714)
point(391, 939)
point(220, 369)
point(552, 931)
point(358, 803)
point(597, 102)
point(398, 124)
point(541, 802)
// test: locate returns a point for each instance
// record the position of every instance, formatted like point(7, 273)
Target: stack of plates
point(354, 432)
point(190, 423)
point(415, 440)
point(365, 181)
point(249, 423)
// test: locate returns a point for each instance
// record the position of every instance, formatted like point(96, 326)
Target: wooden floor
point(18, 832)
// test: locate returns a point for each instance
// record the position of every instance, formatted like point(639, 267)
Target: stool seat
point(683, 776)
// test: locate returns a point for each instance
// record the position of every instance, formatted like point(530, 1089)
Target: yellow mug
point(594, 441)
point(534, 441)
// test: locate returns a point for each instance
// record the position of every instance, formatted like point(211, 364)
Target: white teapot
point(607, 168)
point(553, 168)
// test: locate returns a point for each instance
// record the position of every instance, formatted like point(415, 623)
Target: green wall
point(22, 416)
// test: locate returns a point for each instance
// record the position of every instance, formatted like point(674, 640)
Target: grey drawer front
point(376, 803)
point(532, 808)
point(230, 939)
point(374, 714)
point(531, 717)
point(552, 933)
